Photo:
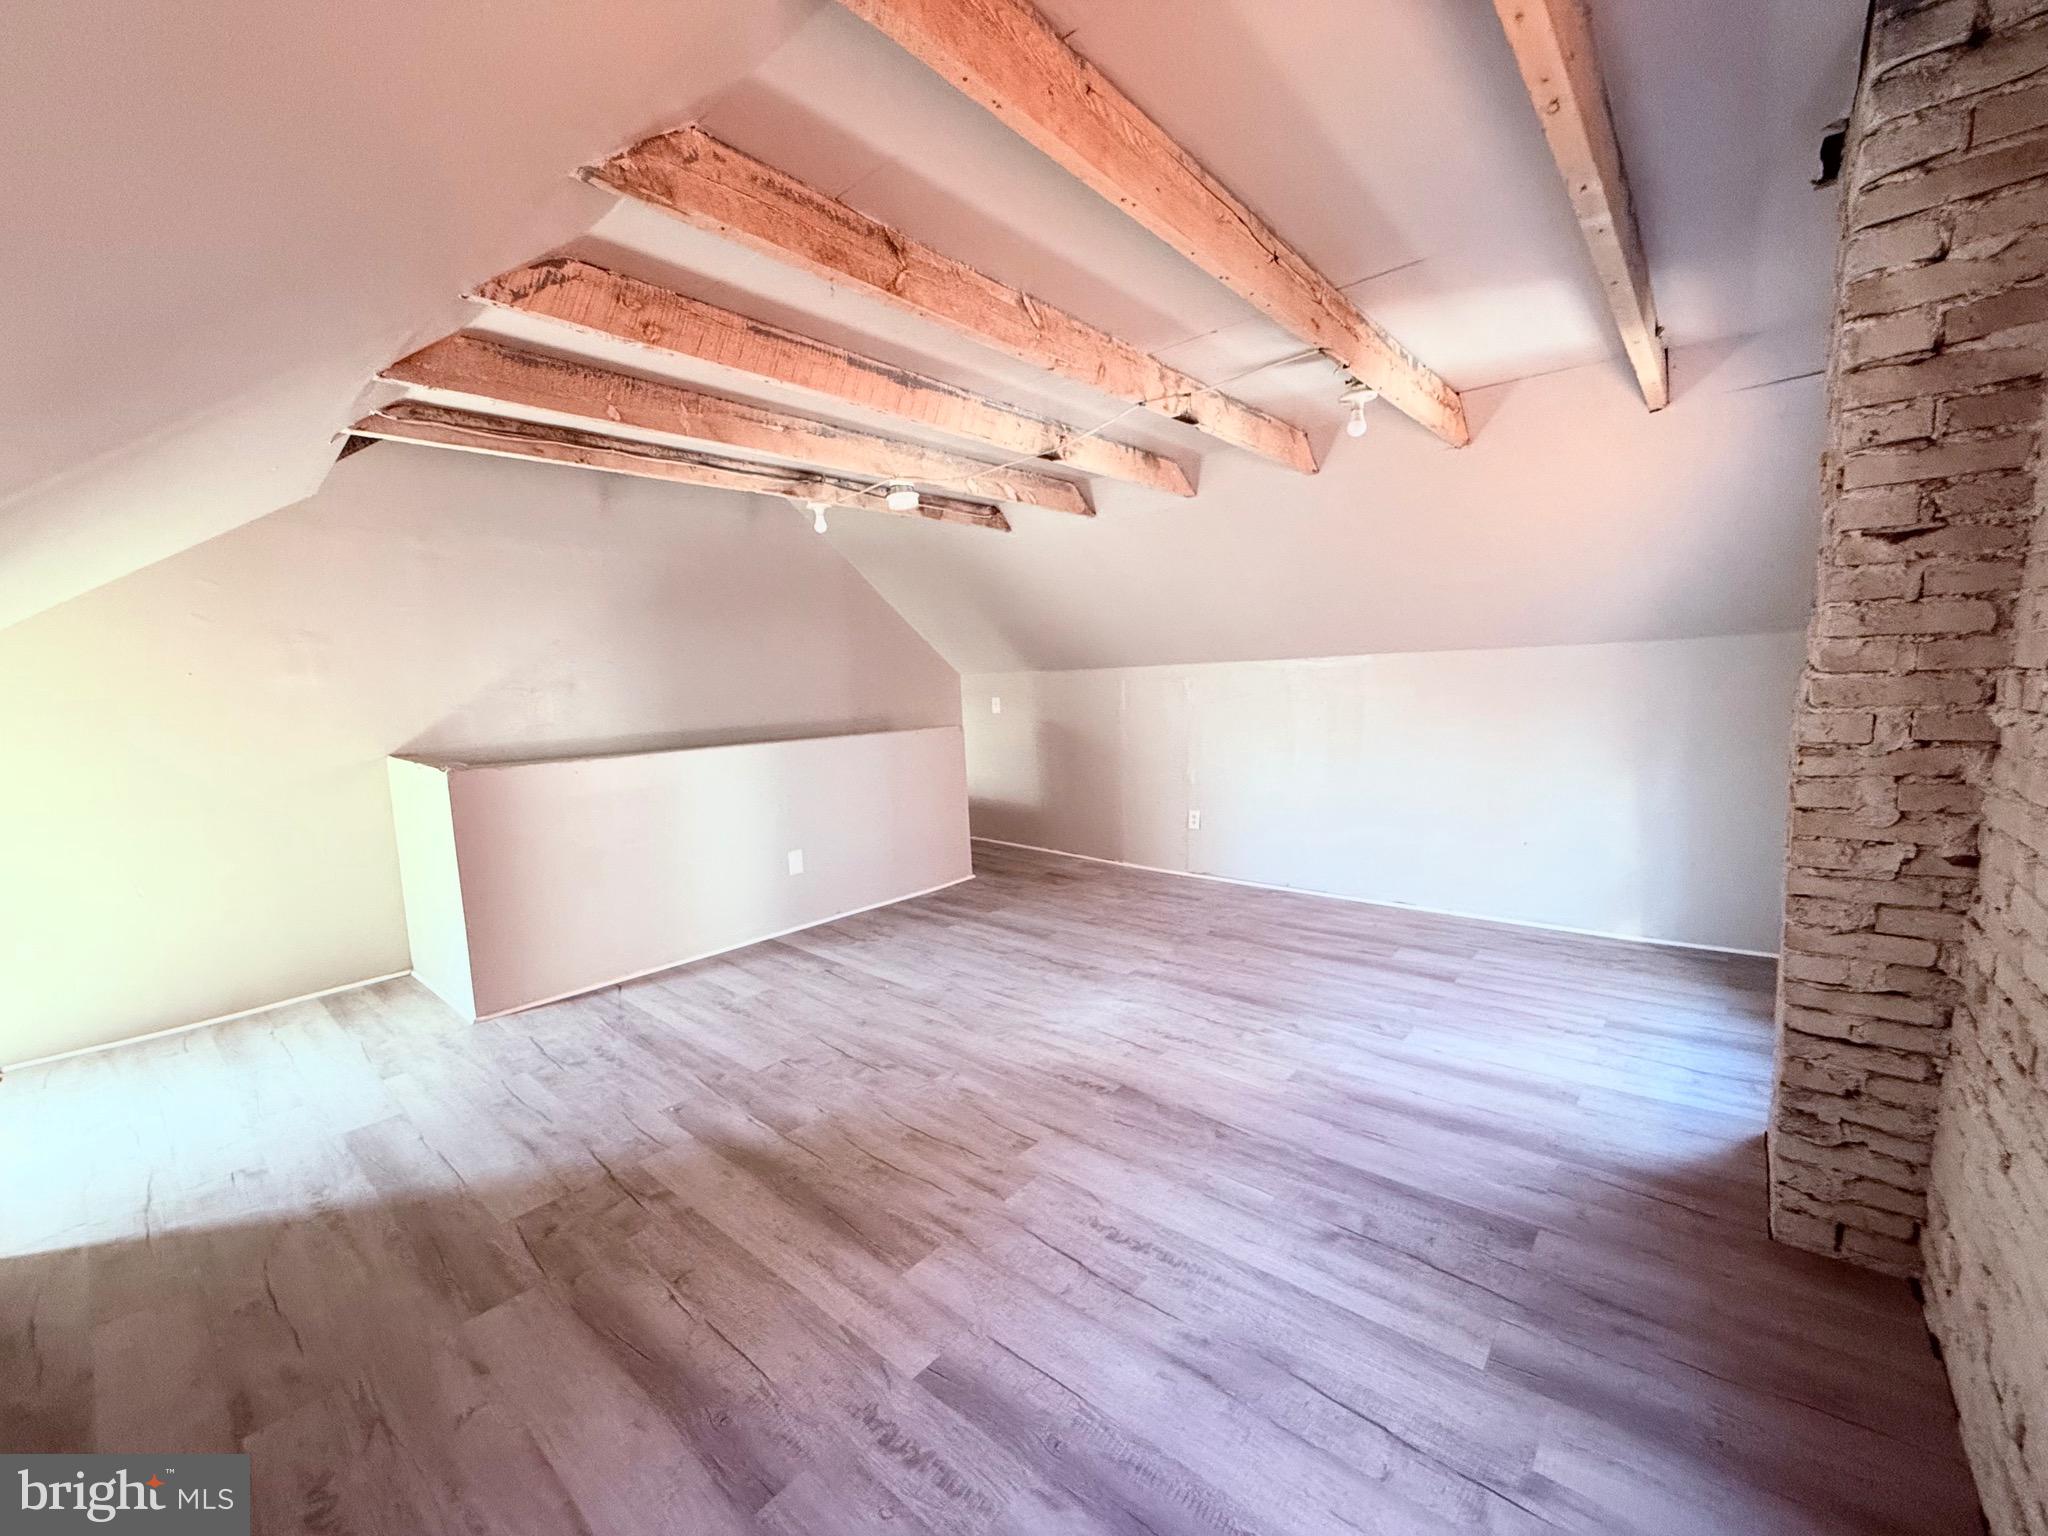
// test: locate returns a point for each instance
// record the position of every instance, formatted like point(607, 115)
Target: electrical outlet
point(1194, 821)
point(995, 705)
point(796, 861)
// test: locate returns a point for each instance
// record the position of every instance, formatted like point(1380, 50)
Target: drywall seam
point(1395, 906)
point(223, 1018)
point(726, 949)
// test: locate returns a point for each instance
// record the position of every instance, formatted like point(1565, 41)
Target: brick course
point(1910, 1120)
point(1986, 1242)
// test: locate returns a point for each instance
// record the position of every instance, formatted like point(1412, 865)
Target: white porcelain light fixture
point(1358, 397)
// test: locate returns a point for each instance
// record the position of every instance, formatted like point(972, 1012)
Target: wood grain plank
point(519, 377)
point(1008, 57)
point(621, 1461)
point(715, 187)
point(415, 421)
point(1070, 1200)
point(1553, 44)
point(589, 298)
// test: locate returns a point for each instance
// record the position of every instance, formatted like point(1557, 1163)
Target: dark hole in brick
point(1831, 147)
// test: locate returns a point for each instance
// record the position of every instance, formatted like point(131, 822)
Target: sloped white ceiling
point(317, 191)
point(223, 216)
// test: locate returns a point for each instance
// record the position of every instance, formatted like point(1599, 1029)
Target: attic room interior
point(991, 766)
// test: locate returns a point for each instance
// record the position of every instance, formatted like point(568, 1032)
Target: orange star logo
point(155, 1481)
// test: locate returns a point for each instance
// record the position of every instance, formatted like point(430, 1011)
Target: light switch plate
point(796, 861)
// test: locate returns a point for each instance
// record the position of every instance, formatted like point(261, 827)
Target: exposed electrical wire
point(1100, 427)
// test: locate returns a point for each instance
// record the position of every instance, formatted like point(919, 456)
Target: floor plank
point(1071, 1200)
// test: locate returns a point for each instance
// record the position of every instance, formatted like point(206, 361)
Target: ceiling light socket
point(902, 497)
point(1358, 397)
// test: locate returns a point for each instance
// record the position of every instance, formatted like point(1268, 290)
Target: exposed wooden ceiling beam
point(506, 375)
point(1008, 57)
point(1553, 44)
point(715, 187)
point(417, 421)
point(612, 304)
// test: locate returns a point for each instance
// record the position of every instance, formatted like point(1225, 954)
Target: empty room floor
point(1073, 1199)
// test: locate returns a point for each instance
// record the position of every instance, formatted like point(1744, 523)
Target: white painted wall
point(1635, 789)
point(1576, 517)
point(430, 879)
point(194, 814)
point(576, 873)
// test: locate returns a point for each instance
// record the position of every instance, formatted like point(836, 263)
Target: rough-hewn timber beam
point(1009, 58)
point(713, 186)
point(416, 421)
point(1553, 43)
point(506, 375)
point(611, 304)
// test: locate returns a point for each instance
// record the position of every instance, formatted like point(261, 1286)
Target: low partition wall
point(531, 881)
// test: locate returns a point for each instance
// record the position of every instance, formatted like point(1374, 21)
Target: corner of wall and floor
point(197, 758)
point(1626, 789)
point(1910, 1120)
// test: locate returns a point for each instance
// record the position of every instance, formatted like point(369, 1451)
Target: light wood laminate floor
point(1070, 1200)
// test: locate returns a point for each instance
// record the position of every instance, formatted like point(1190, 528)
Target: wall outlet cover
point(1194, 821)
point(796, 861)
point(995, 705)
